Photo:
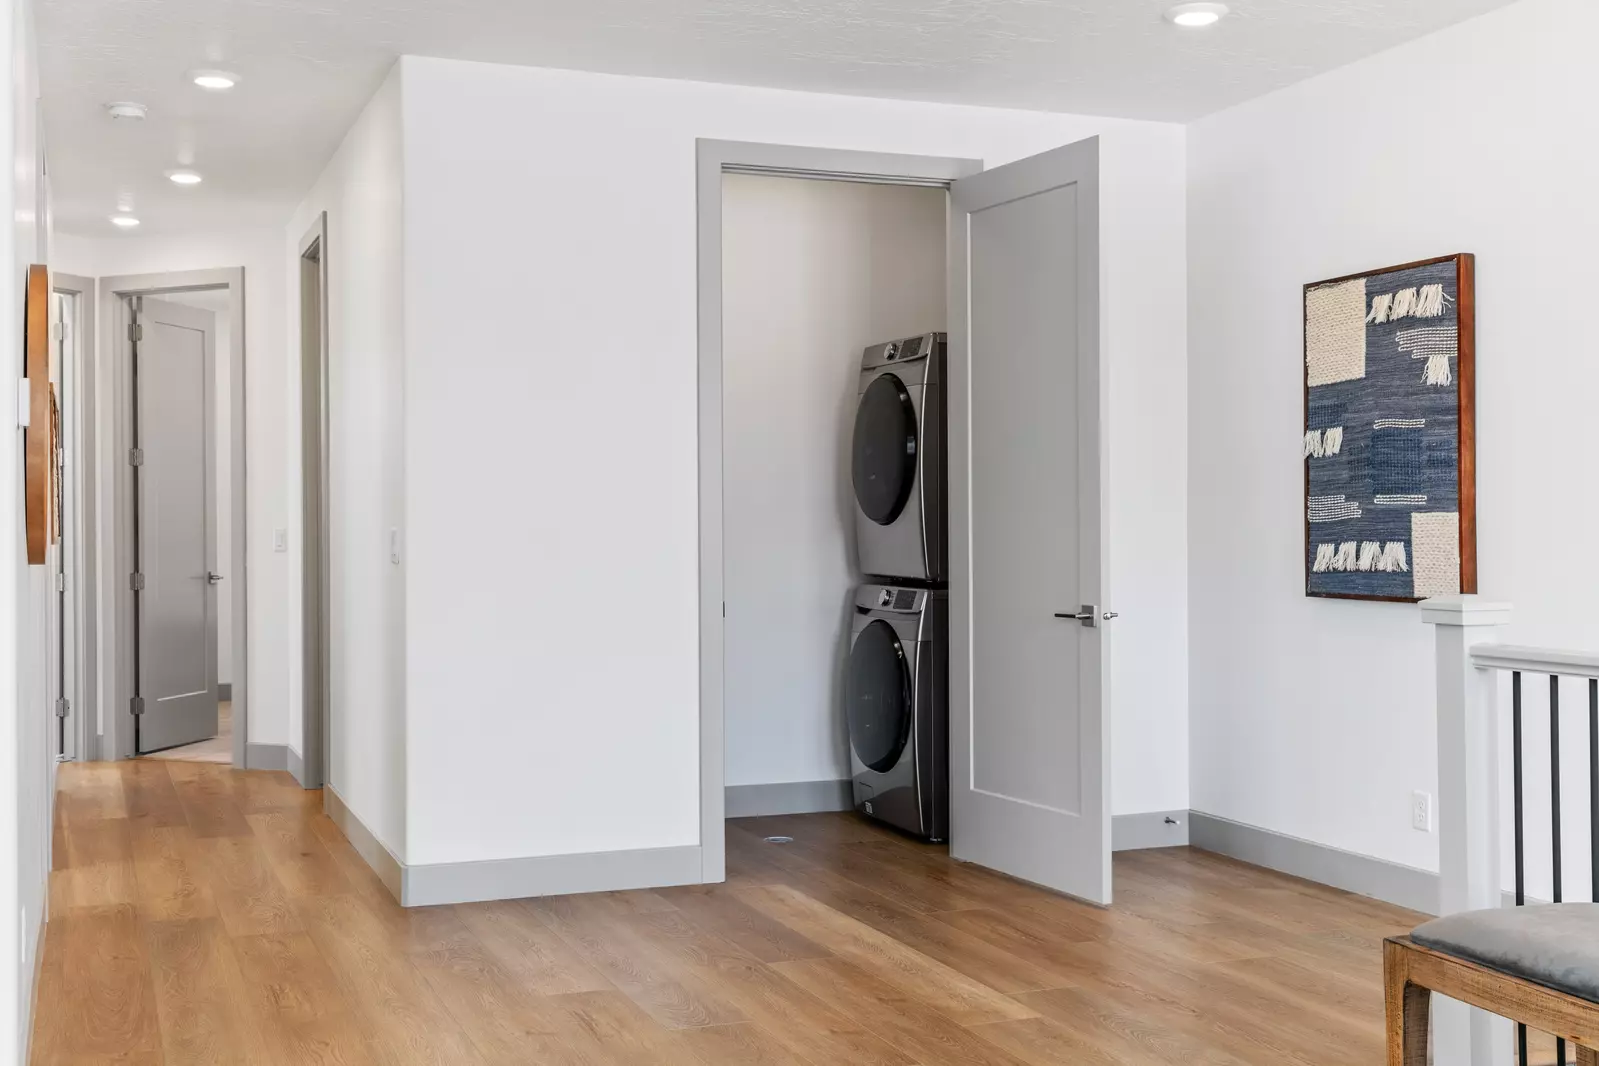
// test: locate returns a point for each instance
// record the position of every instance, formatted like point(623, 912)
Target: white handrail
point(1535, 660)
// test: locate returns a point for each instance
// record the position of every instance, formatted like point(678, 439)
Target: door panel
point(176, 527)
point(1027, 721)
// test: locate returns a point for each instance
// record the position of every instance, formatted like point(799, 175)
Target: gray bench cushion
point(1555, 945)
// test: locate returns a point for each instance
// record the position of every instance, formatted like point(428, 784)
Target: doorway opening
point(176, 494)
point(833, 327)
point(310, 769)
point(71, 560)
point(818, 269)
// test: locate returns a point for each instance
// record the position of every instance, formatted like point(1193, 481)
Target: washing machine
point(898, 462)
point(897, 704)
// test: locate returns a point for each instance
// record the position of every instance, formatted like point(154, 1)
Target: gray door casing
point(1029, 736)
point(175, 545)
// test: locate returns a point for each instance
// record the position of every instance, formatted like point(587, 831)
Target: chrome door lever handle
point(213, 578)
point(1088, 616)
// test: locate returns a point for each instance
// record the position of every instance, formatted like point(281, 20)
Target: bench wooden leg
point(1408, 1007)
point(1587, 1056)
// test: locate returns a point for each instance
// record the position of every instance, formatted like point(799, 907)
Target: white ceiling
point(309, 65)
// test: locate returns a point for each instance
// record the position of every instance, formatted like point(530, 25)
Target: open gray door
point(1029, 738)
point(176, 547)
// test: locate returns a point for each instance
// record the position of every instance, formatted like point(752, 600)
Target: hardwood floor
point(205, 915)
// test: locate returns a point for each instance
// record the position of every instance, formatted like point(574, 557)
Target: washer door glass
point(885, 449)
point(879, 697)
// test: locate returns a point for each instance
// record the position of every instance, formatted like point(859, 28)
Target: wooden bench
point(1412, 972)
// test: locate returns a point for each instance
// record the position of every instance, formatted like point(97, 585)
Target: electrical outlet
point(1421, 811)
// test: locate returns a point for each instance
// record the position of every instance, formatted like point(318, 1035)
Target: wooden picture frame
point(1396, 327)
point(37, 437)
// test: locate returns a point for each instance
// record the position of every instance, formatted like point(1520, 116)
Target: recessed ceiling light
point(126, 109)
point(184, 177)
point(125, 221)
point(215, 80)
point(1195, 15)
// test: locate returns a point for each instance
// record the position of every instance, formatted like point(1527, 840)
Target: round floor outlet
point(780, 840)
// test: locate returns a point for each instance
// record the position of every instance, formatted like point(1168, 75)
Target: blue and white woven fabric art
point(1382, 434)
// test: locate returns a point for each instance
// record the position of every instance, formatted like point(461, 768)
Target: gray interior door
point(176, 544)
point(1029, 740)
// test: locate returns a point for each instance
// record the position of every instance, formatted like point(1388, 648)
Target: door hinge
point(135, 331)
point(136, 705)
point(136, 582)
point(135, 456)
point(62, 706)
point(61, 582)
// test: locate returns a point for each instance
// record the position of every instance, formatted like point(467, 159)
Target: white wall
point(260, 253)
point(814, 272)
point(361, 192)
point(1311, 717)
point(550, 451)
point(26, 756)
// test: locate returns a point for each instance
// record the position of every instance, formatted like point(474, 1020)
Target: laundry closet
point(816, 273)
point(903, 475)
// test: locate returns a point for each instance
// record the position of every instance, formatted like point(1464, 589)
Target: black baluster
point(1593, 786)
point(1554, 812)
point(1554, 780)
point(1520, 828)
point(1593, 789)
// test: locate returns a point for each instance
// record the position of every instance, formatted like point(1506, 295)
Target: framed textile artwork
point(1390, 433)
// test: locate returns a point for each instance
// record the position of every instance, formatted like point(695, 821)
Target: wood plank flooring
point(205, 915)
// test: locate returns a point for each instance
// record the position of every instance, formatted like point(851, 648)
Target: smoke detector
point(126, 109)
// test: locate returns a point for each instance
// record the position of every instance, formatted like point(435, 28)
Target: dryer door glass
point(885, 449)
point(879, 697)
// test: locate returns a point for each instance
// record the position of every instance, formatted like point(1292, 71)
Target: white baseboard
point(787, 797)
point(1151, 829)
point(1403, 886)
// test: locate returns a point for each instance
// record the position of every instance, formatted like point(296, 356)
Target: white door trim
point(114, 475)
point(713, 159)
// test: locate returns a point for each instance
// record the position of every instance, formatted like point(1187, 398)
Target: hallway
point(205, 915)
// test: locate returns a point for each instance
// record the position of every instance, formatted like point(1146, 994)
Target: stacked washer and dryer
point(897, 688)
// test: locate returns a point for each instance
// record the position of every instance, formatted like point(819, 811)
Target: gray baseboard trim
point(550, 875)
point(296, 766)
point(787, 797)
point(1150, 829)
point(1404, 886)
point(544, 875)
point(366, 844)
point(225, 691)
point(266, 756)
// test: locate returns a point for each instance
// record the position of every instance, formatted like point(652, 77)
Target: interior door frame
point(714, 158)
point(114, 472)
point(310, 767)
point(79, 522)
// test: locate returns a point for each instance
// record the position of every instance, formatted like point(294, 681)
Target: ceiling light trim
point(214, 81)
point(1196, 16)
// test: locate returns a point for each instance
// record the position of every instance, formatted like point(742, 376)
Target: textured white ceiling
point(309, 65)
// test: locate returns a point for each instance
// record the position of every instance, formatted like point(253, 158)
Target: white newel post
point(1468, 808)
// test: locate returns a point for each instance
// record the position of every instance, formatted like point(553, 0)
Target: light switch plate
point(280, 540)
